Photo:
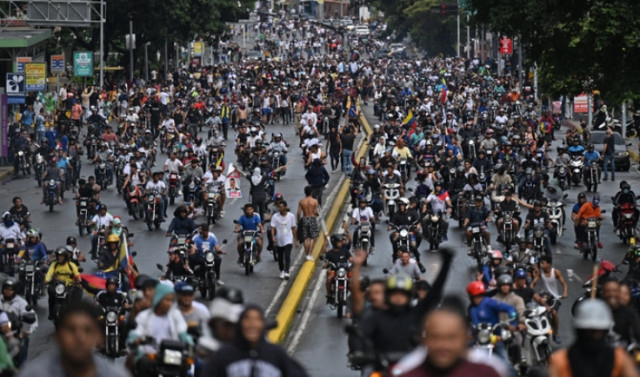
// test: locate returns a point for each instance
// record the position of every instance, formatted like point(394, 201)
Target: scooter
point(576, 165)
point(537, 338)
point(391, 195)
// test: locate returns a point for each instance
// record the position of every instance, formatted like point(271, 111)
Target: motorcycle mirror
point(565, 196)
point(134, 253)
point(130, 235)
point(80, 269)
point(224, 242)
point(236, 222)
point(159, 267)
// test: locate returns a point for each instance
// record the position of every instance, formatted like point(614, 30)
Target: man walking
point(283, 234)
point(609, 153)
point(317, 177)
point(309, 209)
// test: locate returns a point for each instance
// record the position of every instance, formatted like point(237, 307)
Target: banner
point(16, 88)
point(198, 48)
point(4, 126)
point(506, 45)
point(581, 104)
point(57, 64)
point(20, 62)
point(36, 76)
point(83, 63)
point(232, 183)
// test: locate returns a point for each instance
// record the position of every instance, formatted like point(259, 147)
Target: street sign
point(581, 104)
point(128, 40)
point(16, 84)
point(20, 62)
point(83, 63)
point(4, 125)
point(57, 64)
point(35, 76)
point(506, 45)
point(198, 48)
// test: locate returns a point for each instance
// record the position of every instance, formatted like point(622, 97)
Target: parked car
point(362, 30)
point(622, 159)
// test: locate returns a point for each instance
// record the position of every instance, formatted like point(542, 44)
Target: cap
point(184, 287)
point(116, 221)
point(222, 309)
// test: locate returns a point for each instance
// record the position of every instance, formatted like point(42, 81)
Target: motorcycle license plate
point(10, 245)
point(476, 229)
point(364, 229)
point(591, 224)
point(248, 239)
point(28, 268)
point(182, 240)
point(83, 203)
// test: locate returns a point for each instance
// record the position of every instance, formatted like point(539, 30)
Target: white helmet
point(376, 127)
point(256, 171)
point(404, 201)
point(593, 315)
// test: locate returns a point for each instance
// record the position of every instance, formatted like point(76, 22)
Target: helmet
point(622, 184)
point(496, 254)
point(10, 283)
point(102, 206)
point(460, 169)
point(476, 288)
point(232, 295)
point(404, 201)
point(593, 315)
point(277, 196)
point(376, 127)
point(581, 196)
point(399, 283)
point(335, 238)
point(71, 240)
point(61, 251)
point(478, 198)
point(520, 274)
point(504, 279)
point(537, 203)
point(112, 280)
point(32, 233)
point(113, 238)
point(438, 183)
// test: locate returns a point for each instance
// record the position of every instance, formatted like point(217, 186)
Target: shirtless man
point(309, 224)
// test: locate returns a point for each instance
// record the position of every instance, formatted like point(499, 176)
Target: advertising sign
point(57, 64)
point(581, 104)
point(506, 45)
point(20, 62)
point(16, 88)
point(198, 48)
point(83, 63)
point(4, 125)
point(36, 76)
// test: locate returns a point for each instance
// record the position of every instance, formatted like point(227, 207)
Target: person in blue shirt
point(591, 156)
point(249, 221)
point(34, 249)
point(203, 242)
point(27, 116)
point(577, 148)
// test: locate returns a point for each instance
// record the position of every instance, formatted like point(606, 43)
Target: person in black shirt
point(20, 213)
point(626, 320)
point(609, 153)
point(508, 205)
point(111, 297)
point(372, 184)
point(347, 138)
point(176, 267)
point(334, 257)
point(535, 217)
point(527, 293)
point(406, 217)
point(478, 214)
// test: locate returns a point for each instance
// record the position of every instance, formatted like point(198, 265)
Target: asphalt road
point(264, 287)
point(322, 346)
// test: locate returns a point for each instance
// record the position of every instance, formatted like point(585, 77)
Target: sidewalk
point(5, 171)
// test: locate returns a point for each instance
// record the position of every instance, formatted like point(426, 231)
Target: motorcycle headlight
point(623, 154)
point(507, 217)
point(52, 182)
point(342, 273)
point(404, 233)
point(172, 357)
point(60, 289)
point(484, 336)
point(248, 239)
point(434, 218)
point(111, 317)
point(209, 257)
point(538, 233)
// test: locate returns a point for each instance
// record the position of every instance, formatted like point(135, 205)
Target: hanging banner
point(506, 45)
point(20, 62)
point(232, 183)
point(4, 125)
point(83, 63)
point(36, 76)
point(57, 64)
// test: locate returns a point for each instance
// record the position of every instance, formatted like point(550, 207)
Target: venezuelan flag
point(96, 282)
point(124, 260)
point(410, 120)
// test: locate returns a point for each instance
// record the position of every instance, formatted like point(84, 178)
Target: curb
point(6, 173)
point(285, 315)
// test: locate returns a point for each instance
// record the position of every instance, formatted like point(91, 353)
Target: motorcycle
point(363, 242)
point(39, 166)
point(16, 323)
point(562, 176)
point(174, 358)
point(537, 338)
point(433, 231)
point(152, 213)
point(539, 237)
point(275, 161)
point(556, 218)
point(119, 175)
point(591, 177)
point(403, 167)
point(180, 240)
point(461, 203)
point(61, 291)
point(134, 195)
point(29, 273)
point(626, 222)
point(23, 163)
point(340, 286)
point(250, 247)
point(576, 165)
point(478, 244)
point(486, 336)
point(9, 249)
point(112, 317)
point(590, 247)
point(508, 231)
point(92, 147)
point(102, 178)
point(391, 195)
point(83, 215)
point(216, 154)
point(208, 282)
point(193, 192)
point(406, 241)
point(212, 207)
point(51, 197)
point(173, 187)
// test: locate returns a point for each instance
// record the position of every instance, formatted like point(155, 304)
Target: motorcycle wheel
point(211, 291)
point(134, 212)
point(340, 308)
point(594, 253)
point(81, 230)
point(554, 237)
point(51, 206)
point(150, 225)
point(247, 266)
point(111, 346)
point(595, 186)
point(172, 199)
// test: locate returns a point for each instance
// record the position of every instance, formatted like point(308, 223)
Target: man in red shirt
point(445, 337)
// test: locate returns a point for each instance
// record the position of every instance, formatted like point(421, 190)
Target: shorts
point(309, 226)
point(266, 111)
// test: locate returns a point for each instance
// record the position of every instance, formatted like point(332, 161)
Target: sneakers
point(421, 267)
point(281, 274)
point(605, 178)
point(329, 299)
point(599, 245)
point(469, 251)
point(221, 214)
point(220, 282)
point(286, 276)
point(179, 192)
point(309, 258)
point(576, 245)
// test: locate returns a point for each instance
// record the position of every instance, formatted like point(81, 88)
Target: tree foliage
point(578, 45)
point(155, 20)
point(432, 31)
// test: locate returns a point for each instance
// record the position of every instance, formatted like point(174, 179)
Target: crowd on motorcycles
point(477, 145)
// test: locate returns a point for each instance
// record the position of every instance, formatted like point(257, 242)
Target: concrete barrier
point(290, 305)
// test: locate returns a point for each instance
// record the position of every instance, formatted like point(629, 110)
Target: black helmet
point(622, 184)
point(232, 295)
point(61, 251)
point(102, 206)
point(112, 280)
point(537, 203)
point(71, 240)
point(504, 279)
point(335, 238)
point(460, 169)
point(144, 281)
point(582, 196)
point(10, 283)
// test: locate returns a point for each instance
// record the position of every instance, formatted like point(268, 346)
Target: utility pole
point(166, 59)
point(458, 43)
point(146, 62)
point(130, 48)
point(103, 18)
point(468, 39)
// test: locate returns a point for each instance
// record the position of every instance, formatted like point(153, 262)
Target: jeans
point(316, 193)
point(609, 162)
point(346, 161)
point(283, 254)
point(335, 159)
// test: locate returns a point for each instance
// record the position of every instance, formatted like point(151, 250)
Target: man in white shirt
point(283, 235)
point(407, 266)
point(158, 186)
point(214, 182)
point(360, 214)
point(100, 221)
point(169, 123)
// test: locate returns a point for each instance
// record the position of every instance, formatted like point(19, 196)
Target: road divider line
point(287, 311)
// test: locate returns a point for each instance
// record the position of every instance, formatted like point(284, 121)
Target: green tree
point(578, 45)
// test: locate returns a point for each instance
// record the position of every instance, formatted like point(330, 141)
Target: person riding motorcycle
point(478, 214)
point(440, 203)
point(202, 242)
point(364, 213)
point(538, 216)
point(508, 205)
point(336, 255)
point(62, 269)
point(624, 196)
point(14, 305)
point(34, 250)
point(104, 155)
point(109, 256)
point(181, 224)
point(588, 210)
point(52, 172)
point(111, 297)
point(409, 218)
point(372, 184)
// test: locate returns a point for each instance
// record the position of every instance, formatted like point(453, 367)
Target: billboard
point(83, 63)
point(20, 62)
point(35, 76)
point(57, 64)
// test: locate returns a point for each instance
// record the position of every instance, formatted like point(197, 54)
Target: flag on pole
point(410, 120)
point(94, 283)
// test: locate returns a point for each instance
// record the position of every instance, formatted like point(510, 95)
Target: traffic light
point(445, 9)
